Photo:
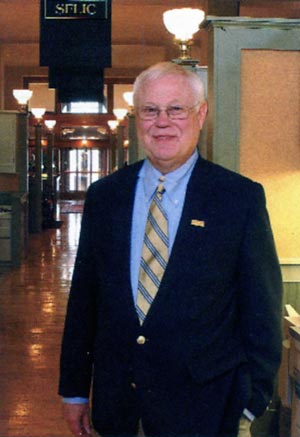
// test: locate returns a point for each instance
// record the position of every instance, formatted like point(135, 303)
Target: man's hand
point(77, 417)
point(244, 427)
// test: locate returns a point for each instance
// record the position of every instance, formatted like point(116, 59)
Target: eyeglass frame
point(158, 110)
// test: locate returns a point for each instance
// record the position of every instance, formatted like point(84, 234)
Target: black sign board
point(72, 41)
point(75, 43)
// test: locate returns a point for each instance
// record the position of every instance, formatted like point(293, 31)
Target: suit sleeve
point(260, 299)
point(77, 346)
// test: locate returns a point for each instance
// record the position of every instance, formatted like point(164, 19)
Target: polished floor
point(32, 307)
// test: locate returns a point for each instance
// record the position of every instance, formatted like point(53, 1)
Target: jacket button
point(141, 340)
point(133, 385)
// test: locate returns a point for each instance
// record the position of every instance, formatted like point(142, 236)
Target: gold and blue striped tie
point(155, 253)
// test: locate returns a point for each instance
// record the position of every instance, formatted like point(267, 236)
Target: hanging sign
point(75, 45)
point(68, 38)
point(72, 9)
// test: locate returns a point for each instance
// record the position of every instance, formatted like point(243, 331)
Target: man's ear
point(202, 114)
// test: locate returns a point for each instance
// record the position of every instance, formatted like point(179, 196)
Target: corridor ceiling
point(133, 21)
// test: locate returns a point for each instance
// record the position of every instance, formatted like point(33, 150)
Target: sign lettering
point(76, 9)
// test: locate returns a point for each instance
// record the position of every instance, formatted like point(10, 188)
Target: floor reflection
point(32, 307)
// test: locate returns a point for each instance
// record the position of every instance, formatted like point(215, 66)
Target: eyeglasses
point(174, 112)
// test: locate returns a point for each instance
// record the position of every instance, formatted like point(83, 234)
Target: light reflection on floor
point(32, 309)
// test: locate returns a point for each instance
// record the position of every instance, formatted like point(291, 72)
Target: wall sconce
point(128, 97)
point(183, 24)
point(22, 97)
point(120, 113)
point(38, 113)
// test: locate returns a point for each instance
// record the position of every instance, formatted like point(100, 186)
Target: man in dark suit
point(199, 357)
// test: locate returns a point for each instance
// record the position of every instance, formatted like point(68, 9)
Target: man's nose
point(162, 117)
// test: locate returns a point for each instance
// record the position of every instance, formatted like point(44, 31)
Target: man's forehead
point(171, 87)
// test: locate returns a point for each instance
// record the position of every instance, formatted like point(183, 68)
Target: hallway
point(32, 308)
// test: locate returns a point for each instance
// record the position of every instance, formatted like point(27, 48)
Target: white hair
point(163, 69)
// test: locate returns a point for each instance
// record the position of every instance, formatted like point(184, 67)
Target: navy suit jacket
point(216, 316)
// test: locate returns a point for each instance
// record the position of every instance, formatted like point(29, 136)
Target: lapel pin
point(199, 223)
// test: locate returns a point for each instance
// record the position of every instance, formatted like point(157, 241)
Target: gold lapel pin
point(199, 223)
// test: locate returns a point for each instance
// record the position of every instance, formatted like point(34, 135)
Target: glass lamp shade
point(128, 97)
point(183, 23)
point(112, 124)
point(50, 124)
point(120, 113)
point(38, 112)
point(22, 96)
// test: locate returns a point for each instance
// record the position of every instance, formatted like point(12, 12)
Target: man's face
point(169, 143)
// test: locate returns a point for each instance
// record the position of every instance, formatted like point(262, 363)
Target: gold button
point(141, 340)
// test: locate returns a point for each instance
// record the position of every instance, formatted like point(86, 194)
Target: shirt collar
point(151, 175)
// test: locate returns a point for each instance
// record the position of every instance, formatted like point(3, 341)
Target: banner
point(75, 41)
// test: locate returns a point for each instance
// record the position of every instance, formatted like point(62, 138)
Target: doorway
point(79, 168)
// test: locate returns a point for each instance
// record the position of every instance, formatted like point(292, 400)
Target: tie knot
point(160, 189)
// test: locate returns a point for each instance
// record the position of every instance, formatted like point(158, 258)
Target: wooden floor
point(32, 308)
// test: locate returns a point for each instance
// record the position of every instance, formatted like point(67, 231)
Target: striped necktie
point(155, 253)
